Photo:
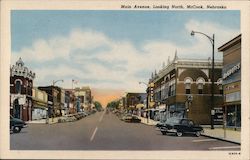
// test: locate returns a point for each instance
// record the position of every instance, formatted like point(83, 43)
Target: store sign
point(232, 87)
point(231, 97)
point(231, 71)
point(218, 115)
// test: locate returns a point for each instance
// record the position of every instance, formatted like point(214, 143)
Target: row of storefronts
point(34, 103)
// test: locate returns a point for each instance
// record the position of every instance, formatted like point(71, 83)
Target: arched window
point(18, 84)
point(219, 83)
point(200, 83)
point(188, 81)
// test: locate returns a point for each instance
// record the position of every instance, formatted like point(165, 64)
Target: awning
point(139, 106)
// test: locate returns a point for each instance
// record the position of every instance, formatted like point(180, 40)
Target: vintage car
point(180, 127)
point(16, 124)
point(132, 119)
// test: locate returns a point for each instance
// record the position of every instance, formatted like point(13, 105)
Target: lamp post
point(53, 84)
point(146, 100)
point(211, 39)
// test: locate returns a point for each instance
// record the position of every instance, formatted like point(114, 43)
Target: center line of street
point(226, 147)
point(93, 135)
point(204, 140)
point(101, 117)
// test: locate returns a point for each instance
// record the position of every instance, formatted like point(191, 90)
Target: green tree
point(113, 104)
point(98, 105)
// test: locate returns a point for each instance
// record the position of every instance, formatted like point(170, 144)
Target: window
point(219, 82)
point(188, 81)
point(220, 89)
point(199, 91)
point(18, 86)
point(200, 83)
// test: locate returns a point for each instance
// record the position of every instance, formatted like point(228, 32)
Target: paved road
point(102, 131)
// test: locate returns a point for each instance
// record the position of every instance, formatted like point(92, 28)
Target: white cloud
point(118, 64)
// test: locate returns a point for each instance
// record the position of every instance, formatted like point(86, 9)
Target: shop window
point(234, 116)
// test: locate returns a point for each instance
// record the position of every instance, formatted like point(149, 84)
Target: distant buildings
point(232, 81)
point(135, 102)
point(21, 84)
point(85, 98)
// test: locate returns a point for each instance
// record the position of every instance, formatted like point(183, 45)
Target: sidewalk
point(218, 132)
point(44, 121)
point(148, 121)
point(226, 135)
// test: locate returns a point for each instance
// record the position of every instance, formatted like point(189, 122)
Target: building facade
point(232, 82)
point(54, 100)
point(135, 102)
point(40, 104)
point(71, 101)
point(84, 97)
point(21, 84)
point(182, 88)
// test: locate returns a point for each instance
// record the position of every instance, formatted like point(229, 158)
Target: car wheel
point(179, 134)
point(198, 133)
point(164, 133)
point(16, 129)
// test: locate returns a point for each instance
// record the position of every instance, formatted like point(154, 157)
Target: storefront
point(232, 82)
point(40, 111)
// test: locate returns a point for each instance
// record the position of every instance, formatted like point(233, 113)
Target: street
point(101, 131)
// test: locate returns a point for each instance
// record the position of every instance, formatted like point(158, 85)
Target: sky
point(113, 49)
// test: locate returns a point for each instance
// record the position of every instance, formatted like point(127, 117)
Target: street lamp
point(54, 82)
point(211, 39)
point(146, 100)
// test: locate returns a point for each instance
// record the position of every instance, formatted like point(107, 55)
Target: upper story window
point(18, 84)
point(187, 82)
point(171, 91)
point(200, 83)
point(219, 82)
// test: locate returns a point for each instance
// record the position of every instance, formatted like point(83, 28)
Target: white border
point(7, 5)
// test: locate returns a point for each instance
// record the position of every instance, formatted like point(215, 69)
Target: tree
point(98, 105)
point(113, 104)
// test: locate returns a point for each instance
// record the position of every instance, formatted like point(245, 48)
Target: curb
point(226, 140)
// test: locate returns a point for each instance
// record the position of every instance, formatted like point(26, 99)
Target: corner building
point(232, 82)
point(21, 84)
point(183, 89)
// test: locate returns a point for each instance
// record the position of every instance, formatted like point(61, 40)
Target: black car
point(181, 126)
point(16, 124)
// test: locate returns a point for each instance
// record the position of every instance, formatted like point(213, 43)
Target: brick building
point(84, 97)
point(54, 97)
point(21, 84)
point(232, 81)
point(182, 88)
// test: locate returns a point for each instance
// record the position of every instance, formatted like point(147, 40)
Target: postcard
point(125, 79)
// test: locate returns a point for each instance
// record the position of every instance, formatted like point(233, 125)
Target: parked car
point(160, 124)
point(180, 127)
point(132, 119)
point(16, 124)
